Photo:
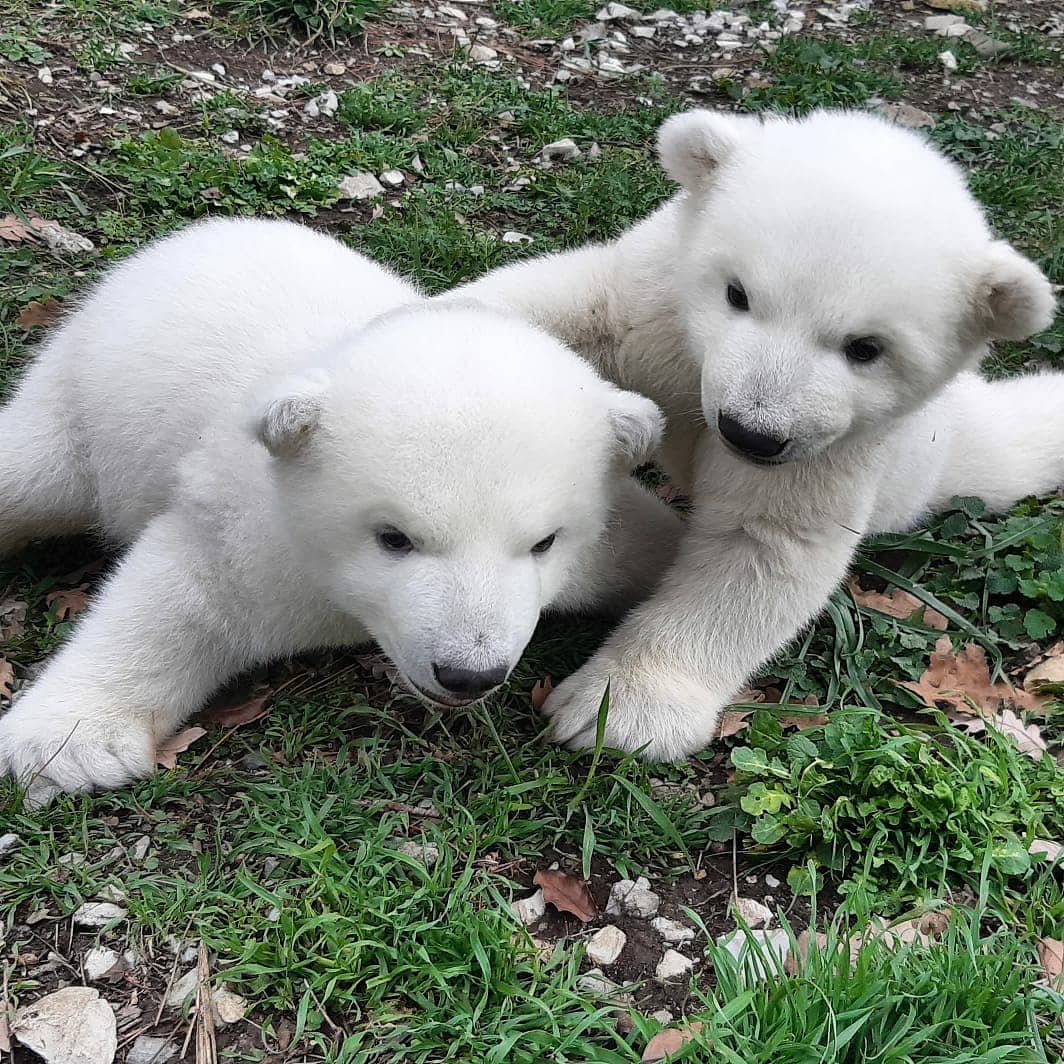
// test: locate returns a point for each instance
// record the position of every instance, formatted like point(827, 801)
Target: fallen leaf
point(68, 602)
point(36, 313)
point(567, 893)
point(1049, 672)
point(15, 230)
point(961, 679)
point(71, 1026)
point(1027, 737)
point(809, 720)
point(12, 615)
point(1051, 955)
point(1052, 850)
point(669, 1041)
point(541, 690)
point(896, 603)
point(167, 751)
point(33, 228)
point(7, 677)
point(233, 715)
point(733, 721)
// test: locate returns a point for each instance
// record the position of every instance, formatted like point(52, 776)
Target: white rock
point(612, 12)
point(596, 983)
point(753, 912)
point(529, 910)
point(325, 103)
point(9, 841)
point(218, 69)
point(393, 179)
point(486, 23)
point(164, 107)
point(230, 137)
point(672, 965)
point(512, 237)
point(771, 881)
point(775, 946)
point(948, 60)
point(228, 1007)
point(663, 1016)
point(72, 1026)
point(559, 151)
point(111, 892)
point(605, 945)
point(481, 53)
point(72, 860)
point(942, 24)
point(428, 853)
point(335, 69)
point(671, 931)
point(646, 32)
point(44, 75)
point(184, 950)
point(98, 914)
point(149, 1050)
point(98, 962)
point(183, 989)
point(628, 898)
point(360, 186)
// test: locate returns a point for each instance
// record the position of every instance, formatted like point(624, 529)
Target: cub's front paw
point(51, 749)
point(664, 717)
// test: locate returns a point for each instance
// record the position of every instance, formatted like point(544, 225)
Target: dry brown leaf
point(961, 678)
point(69, 601)
point(733, 721)
point(1051, 955)
point(567, 893)
point(12, 616)
point(15, 230)
point(669, 1041)
point(1049, 671)
point(167, 751)
point(36, 313)
point(541, 690)
point(7, 677)
point(1052, 850)
point(896, 603)
point(5, 1035)
point(233, 715)
point(813, 720)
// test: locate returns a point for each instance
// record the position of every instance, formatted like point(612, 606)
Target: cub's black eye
point(394, 541)
point(545, 544)
point(737, 296)
point(863, 349)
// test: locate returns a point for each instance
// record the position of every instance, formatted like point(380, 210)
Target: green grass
point(279, 847)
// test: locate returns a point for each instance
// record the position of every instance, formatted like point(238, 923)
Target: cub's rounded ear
point(693, 145)
point(638, 425)
point(1013, 299)
point(288, 421)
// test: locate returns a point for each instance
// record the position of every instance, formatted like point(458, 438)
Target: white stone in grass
point(745, 947)
point(139, 850)
point(97, 914)
point(72, 860)
point(771, 881)
point(183, 989)
point(512, 237)
point(230, 137)
point(663, 1016)
point(72, 1026)
point(633, 898)
point(9, 841)
point(942, 24)
point(360, 186)
point(598, 984)
point(605, 945)
point(481, 53)
point(112, 893)
point(98, 962)
point(673, 965)
point(753, 912)
point(428, 853)
point(228, 1007)
point(325, 103)
point(393, 178)
point(671, 931)
point(44, 75)
point(529, 910)
point(948, 60)
point(559, 151)
point(149, 1050)
point(615, 12)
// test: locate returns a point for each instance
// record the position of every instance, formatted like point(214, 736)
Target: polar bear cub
point(304, 452)
point(819, 294)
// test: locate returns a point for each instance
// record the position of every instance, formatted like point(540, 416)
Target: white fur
point(838, 226)
point(249, 404)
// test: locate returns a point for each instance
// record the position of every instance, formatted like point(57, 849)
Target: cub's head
point(441, 476)
point(835, 273)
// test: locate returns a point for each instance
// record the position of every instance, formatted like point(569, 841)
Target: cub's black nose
point(468, 683)
point(755, 444)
